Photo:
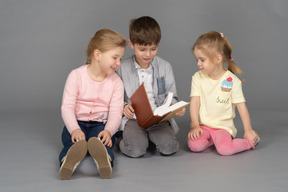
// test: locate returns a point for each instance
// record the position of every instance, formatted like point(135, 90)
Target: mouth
point(146, 59)
point(114, 68)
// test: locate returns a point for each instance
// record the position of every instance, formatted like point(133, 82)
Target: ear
point(96, 54)
point(219, 58)
point(131, 44)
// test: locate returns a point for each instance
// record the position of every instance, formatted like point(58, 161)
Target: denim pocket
point(161, 85)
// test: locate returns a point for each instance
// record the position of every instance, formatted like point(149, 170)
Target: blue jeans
point(90, 129)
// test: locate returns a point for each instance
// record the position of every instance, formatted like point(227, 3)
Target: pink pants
point(222, 140)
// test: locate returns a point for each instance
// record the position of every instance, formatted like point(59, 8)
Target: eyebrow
point(145, 47)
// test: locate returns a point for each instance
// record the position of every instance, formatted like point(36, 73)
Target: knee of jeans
point(168, 148)
point(132, 150)
point(136, 153)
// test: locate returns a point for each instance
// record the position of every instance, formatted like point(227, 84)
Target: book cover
point(143, 110)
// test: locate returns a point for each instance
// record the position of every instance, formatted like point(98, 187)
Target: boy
point(157, 75)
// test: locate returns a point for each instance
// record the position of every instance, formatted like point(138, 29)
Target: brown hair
point(212, 43)
point(104, 40)
point(144, 31)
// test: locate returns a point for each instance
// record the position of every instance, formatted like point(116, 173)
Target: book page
point(165, 105)
point(164, 110)
point(172, 114)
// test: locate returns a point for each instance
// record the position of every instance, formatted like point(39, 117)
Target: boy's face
point(144, 53)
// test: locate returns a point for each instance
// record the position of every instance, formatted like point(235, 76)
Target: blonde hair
point(212, 43)
point(104, 40)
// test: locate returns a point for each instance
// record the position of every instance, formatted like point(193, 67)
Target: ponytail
point(227, 53)
point(233, 67)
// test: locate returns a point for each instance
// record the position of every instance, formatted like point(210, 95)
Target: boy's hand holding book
point(181, 112)
point(128, 111)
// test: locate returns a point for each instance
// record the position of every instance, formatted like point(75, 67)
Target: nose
point(118, 62)
point(198, 64)
point(148, 53)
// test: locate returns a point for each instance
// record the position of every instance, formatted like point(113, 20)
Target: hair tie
point(222, 35)
point(231, 59)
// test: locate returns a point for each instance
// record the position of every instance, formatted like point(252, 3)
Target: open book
point(143, 110)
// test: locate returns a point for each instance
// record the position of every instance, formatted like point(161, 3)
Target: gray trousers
point(135, 139)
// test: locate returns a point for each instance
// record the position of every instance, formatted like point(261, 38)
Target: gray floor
point(30, 144)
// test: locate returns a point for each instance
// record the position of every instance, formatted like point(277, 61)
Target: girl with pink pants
point(222, 140)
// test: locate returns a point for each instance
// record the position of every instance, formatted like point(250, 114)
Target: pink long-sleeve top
point(88, 100)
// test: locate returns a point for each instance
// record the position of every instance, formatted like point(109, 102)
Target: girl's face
point(110, 60)
point(144, 53)
point(206, 65)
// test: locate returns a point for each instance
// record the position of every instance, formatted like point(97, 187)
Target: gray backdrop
point(42, 41)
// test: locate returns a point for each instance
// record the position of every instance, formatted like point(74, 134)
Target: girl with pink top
point(92, 105)
point(215, 92)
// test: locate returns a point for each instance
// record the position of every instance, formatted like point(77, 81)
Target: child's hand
point(77, 135)
point(105, 137)
point(128, 111)
point(181, 112)
point(252, 136)
point(195, 133)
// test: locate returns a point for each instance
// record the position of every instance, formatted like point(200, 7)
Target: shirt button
point(90, 112)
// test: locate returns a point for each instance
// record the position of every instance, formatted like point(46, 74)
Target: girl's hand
point(252, 136)
point(128, 111)
point(105, 137)
point(77, 135)
point(181, 112)
point(195, 133)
